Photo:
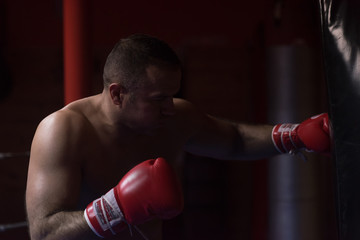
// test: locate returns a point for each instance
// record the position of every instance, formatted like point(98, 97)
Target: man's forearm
point(255, 141)
point(61, 225)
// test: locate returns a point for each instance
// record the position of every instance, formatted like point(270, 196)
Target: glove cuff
point(104, 216)
point(285, 139)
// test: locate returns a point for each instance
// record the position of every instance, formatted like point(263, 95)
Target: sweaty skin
point(82, 151)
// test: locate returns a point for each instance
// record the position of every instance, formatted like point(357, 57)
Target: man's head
point(127, 62)
point(141, 75)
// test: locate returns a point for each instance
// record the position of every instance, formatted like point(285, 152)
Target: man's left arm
point(222, 139)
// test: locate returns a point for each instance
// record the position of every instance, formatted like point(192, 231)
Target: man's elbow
point(38, 230)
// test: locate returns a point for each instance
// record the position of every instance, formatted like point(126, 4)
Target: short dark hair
point(130, 57)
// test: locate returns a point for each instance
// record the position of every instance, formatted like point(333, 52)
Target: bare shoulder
point(63, 118)
point(183, 105)
point(59, 124)
point(58, 137)
point(189, 119)
point(187, 110)
point(208, 136)
point(70, 122)
point(72, 114)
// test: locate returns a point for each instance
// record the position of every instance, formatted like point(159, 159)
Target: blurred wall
point(223, 47)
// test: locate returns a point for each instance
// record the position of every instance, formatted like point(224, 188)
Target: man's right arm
point(53, 184)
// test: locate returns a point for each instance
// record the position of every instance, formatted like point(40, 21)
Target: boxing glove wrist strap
point(285, 138)
point(104, 216)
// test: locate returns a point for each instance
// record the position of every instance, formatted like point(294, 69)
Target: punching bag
point(340, 23)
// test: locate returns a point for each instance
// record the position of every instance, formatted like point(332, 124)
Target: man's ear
point(117, 92)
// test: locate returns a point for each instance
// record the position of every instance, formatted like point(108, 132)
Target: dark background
point(223, 45)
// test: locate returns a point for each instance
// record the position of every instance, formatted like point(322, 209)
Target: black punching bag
point(340, 22)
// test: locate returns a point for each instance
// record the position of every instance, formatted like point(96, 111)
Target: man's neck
point(110, 119)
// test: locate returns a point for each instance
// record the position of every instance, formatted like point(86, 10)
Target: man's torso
point(106, 157)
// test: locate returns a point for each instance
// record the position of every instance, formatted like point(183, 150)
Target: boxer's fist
point(311, 135)
point(149, 190)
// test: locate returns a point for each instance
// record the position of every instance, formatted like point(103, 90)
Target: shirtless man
point(82, 151)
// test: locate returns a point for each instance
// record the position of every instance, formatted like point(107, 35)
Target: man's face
point(152, 104)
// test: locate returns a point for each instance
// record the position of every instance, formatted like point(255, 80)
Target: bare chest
point(106, 163)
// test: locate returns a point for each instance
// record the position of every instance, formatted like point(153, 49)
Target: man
point(81, 152)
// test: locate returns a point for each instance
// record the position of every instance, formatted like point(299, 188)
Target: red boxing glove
point(313, 135)
point(147, 191)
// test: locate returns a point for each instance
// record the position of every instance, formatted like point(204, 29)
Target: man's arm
point(227, 140)
point(218, 138)
point(53, 184)
point(222, 139)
